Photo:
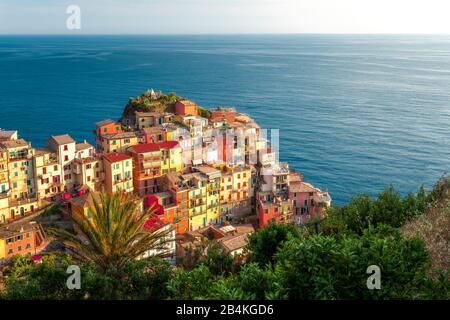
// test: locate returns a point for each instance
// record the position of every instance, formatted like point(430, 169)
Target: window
point(105, 129)
point(245, 175)
point(88, 166)
point(66, 158)
point(239, 175)
point(28, 246)
point(88, 178)
point(10, 240)
point(66, 148)
point(127, 163)
point(10, 251)
point(44, 170)
point(55, 168)
point(19, 248)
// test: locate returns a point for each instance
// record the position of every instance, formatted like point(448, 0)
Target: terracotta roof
point(104, 122)
point(153, 129)
point(152, 147)
point(235, 242)
point(4, 134)
point(86, 199)
point(187, 102)
point(297, 186)
point(121, 135)
point(148, 114)
point(41, 151)
point(14, 143)
point(16, 228)
point(115, 157)
point(62, 139)
point(82, 146)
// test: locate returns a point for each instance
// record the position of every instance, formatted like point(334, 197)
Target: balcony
point(4, 194)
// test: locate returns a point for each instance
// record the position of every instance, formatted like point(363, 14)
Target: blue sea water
point(355, 113)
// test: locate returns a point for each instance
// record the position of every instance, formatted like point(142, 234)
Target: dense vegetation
point(284, 261)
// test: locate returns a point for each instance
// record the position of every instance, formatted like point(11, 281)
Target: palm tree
point(114, 233)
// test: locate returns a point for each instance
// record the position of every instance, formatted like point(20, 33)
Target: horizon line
point(227, 34)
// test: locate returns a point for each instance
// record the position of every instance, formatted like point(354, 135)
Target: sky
point(226, 16)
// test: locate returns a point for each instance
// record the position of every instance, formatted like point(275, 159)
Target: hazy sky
point(227, 16)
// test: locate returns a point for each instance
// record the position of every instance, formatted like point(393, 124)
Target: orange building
point(186, 108)
point(107, 126)
point(21, 238)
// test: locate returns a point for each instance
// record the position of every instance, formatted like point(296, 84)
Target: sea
point(355, 113)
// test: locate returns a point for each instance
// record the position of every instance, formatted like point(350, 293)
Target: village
point(209, 175)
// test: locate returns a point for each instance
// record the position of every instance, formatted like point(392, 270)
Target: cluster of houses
point(197, 172)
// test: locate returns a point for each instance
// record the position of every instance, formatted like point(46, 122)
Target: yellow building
point(4, 186)
point(213, 193)
point(19, 160)
point(197, 197)
point(235, 191)
point(171, 157)
point(81, 205)
point(117, 142)
point(118, 169)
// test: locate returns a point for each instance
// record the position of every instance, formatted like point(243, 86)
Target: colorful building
point(65, 148)
point(118, 169)
point(185, 107)
point(117, 142)
point(89, 172)
point(273, 208)
point(309, 202)
point(21, 238)
point(107, 126)
point(22, 192)
point(47, 171)
point(213, 193)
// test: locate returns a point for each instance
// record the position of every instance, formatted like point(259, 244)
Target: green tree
point(114, 234)
point(264, 244)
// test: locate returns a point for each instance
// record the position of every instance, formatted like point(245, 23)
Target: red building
point(273, 208)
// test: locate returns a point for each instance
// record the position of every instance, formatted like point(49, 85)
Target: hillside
point(434, 225)
point(149, 101)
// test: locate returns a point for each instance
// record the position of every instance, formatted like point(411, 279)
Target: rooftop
point(16, 228)
point(234, 242)
point(7, 134)
point(115, 157)
point(104, 122)
point(83, 146)
point(187, 102)
point(122, 135)
point(152, 147)
point(14, 143)
point(297, 186)
point(62, 139)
